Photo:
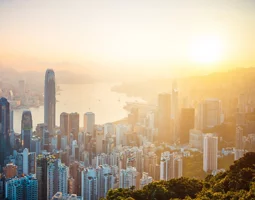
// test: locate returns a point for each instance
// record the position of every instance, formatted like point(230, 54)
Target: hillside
point(236, 183)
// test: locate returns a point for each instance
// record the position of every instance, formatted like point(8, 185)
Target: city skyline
point(128, 100)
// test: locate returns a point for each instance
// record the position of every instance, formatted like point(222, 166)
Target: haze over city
point(126, 38)
point(127, 100)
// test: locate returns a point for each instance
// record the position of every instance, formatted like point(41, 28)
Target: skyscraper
point(164, 118)
point(128, 178)
point(26, 162)
point(74, 124)
point(64, 124)
point(26, 129)
point(209, 113)
point(89, 122)
point(5, 147)
point(210, 159)
point(41, 174)
point(89, 184)
point(175, 110)
point(105, 180)
point(50, 100)
point(57, 178)
point(187, 122)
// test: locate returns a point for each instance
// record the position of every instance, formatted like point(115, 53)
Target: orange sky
point(117, 36)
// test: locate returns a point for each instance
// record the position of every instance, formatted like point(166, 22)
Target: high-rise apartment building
point(74, 124)
point(57, 178)
point(25, 188)
point(105, 180)
point(75, 170)
point(5, 146)
point(26, 129)
point(210, 153)
point(164, 118)
point(170, 166)
point(42, 175)
point(145, 180)
point(89, 184)
point(89, 122)
point(187, 122)
point(50, 100)
point(128, 177)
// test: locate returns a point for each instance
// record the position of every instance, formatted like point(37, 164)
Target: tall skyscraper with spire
point(26, 129)
point(50, 100)
point(5, 147)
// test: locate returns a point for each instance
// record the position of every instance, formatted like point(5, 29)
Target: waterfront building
point(26, 129)
point(5, 146)
point(50, 100)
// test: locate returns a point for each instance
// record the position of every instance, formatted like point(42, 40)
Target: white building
point(89, 184)
point(145, 180)
point(170, 166)
point(128, 177)
point(210, 153)
point(105, 180)
point(89, 122)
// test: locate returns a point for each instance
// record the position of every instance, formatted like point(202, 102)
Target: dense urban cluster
point(142, 157)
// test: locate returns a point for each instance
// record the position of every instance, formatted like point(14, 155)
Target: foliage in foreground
point(236, 183)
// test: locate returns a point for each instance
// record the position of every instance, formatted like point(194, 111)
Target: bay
point(81, 98)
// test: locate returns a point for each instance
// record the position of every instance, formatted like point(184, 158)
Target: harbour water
point(98, 98)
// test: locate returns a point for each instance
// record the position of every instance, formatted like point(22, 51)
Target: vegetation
point(193, 166)
point(236, 183)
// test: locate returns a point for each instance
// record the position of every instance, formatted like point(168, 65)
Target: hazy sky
point(152, 36)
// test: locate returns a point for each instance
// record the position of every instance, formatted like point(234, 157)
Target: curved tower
point(26, 129)
point(50, 100)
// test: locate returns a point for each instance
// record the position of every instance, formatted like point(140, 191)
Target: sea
point(81, 98)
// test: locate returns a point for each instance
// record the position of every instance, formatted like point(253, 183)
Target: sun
point(206, 49)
